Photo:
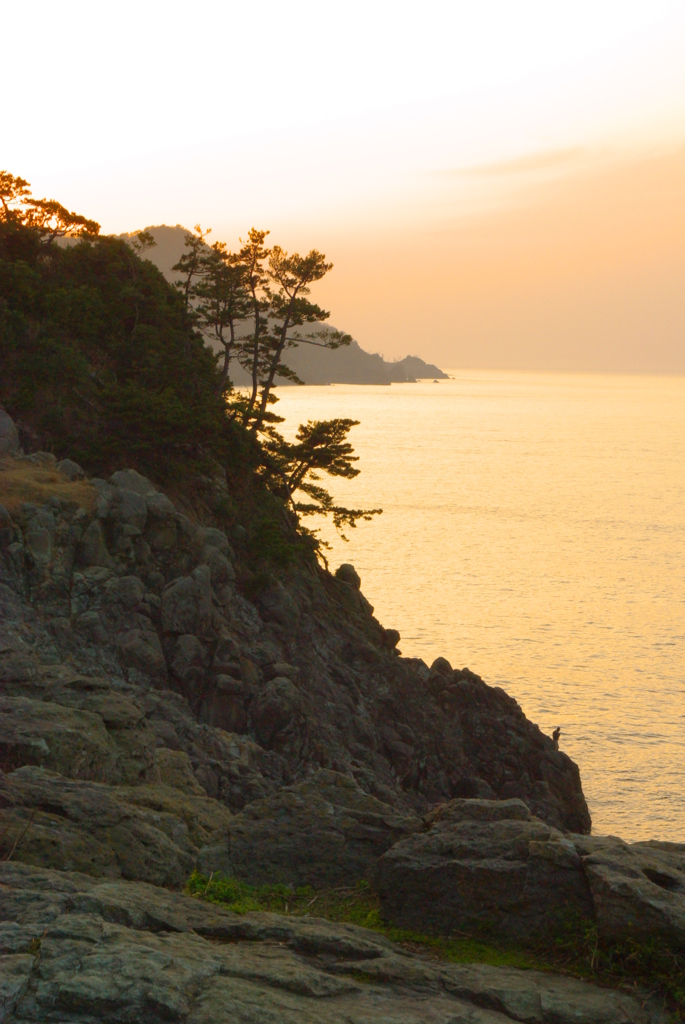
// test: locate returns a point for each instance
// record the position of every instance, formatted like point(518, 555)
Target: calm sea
point(534, 531)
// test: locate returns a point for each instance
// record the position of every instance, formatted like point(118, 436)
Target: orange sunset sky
point(499, 185)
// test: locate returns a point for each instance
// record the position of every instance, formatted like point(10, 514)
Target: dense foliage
point(104, 362)
point(252, 305)
point(99, 357)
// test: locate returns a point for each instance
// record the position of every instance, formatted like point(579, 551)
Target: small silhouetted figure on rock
point(555, 737)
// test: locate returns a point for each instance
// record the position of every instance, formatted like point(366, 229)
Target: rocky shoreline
point(83, 949)
point(158, 718)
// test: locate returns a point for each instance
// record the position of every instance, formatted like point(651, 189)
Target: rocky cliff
point(131, 660)
point(163, 710)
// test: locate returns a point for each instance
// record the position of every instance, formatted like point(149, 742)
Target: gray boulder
point(221, 570)
point(225, 706)
point(68, 740)
point(98, 736)
point(348, 574)
point(486, 867)
point(71, 470)
point(79, 949)
point(187, 603)
point(150, 829)
point(188, 665)
point(92, 549)
point(159, 506)
point(278, 717)
point(142, 657)
point(638, 889)
point(351, 594)
point(131, 480)
point(41, 459)
point(127, 508)
point(39, 536)
point(324, 831)
point(477, 809)
point(212, 537)
point(277, 605)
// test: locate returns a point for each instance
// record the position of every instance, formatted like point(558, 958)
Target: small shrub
point(356, 904)
point(268, 544)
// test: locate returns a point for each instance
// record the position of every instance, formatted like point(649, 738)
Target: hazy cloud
point(546, 160)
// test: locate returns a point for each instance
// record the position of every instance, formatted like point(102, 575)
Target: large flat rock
point(484, 866)
point(76, 950)
point(490, 867)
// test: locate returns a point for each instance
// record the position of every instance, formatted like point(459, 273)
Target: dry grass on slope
point(25, 482)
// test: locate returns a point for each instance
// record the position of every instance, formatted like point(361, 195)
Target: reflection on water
point(534, 530)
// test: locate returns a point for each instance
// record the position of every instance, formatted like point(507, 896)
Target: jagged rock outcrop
point(76, 949)
point(490, 867)
point(638, 889)
point(125, 593)
point(86, 826)
point(156, 717)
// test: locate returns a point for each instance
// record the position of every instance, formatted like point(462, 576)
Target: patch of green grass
point(242, 898)
point(650, 965)
point(577, 949)
point(356, 904)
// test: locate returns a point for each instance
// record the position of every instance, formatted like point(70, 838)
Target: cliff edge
point(160, 716)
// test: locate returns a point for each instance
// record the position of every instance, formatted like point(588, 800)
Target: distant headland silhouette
point(346, 365)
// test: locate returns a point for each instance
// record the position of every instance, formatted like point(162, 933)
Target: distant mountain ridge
point(348, 365)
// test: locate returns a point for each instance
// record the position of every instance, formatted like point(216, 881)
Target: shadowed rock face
point(76, 949)
point(484, 866)
point(142, 605)
point(491, 867)
point(154, 720)
point(322, 832)
point(9, 437)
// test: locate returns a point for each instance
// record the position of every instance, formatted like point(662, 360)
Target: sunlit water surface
point(534, 530)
